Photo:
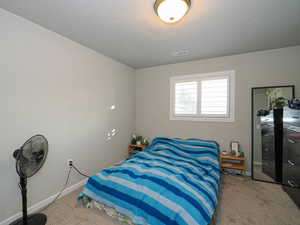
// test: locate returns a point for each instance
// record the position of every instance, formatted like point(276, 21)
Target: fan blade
point(32, 156)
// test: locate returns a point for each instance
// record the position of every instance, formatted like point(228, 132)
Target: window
point(204, 97)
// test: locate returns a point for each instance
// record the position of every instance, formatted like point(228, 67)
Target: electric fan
point(29, 159)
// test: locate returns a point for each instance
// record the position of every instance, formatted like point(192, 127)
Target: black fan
point(29, 159)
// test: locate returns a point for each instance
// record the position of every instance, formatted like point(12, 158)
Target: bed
point(174, 181)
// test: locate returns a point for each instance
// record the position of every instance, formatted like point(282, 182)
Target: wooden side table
point(132, 151)
point(233, 162)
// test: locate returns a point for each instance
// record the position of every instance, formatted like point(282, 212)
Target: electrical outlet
point(70, 162)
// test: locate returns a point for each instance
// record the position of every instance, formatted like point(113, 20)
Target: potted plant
point(279, 103)
point(277, 106)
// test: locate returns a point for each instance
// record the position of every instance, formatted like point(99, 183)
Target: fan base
point(34, 219)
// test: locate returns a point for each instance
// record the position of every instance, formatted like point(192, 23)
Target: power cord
point(78, 171)
point(71, 166)
point(62, 190)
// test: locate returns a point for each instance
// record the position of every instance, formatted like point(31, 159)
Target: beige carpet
point(243, 202)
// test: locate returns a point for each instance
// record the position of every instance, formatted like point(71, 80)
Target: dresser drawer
point(291, 173)
point(291, 181)
point(293, 149)
point(291, 159)
point(268, 153)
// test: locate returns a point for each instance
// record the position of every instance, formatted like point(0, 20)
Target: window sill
point(203, 119)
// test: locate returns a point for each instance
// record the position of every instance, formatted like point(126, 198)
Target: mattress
point(174, 181)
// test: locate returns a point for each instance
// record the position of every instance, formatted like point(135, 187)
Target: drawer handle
point(292, 141)
point(291, 163)
point(292, 183)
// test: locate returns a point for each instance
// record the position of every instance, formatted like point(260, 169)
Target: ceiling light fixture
point(171, 11)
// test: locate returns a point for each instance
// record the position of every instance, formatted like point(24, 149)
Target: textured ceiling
point(130, 32)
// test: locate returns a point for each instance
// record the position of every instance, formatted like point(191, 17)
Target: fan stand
point(34, 219)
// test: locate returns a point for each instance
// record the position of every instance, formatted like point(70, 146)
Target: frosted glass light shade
point(171, 11)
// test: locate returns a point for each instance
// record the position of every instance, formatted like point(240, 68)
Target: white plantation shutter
point(205, 97)
point(214, 97)
point(186, 98)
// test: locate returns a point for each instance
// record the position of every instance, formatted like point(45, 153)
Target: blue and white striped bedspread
point(174, 181)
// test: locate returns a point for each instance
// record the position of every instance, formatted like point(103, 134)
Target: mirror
point(268, 104)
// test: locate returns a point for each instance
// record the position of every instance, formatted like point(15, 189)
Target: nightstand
point(233, 162)
point(134, 149)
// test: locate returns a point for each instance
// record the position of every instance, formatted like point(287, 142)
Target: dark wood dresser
point(291, 164)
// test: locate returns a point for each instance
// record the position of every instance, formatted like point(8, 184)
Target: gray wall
point(274, 67)
point(56, 87)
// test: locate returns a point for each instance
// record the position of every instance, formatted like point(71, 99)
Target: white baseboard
point(40, 205)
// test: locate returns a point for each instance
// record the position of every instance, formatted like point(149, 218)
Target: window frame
point(229, 117)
